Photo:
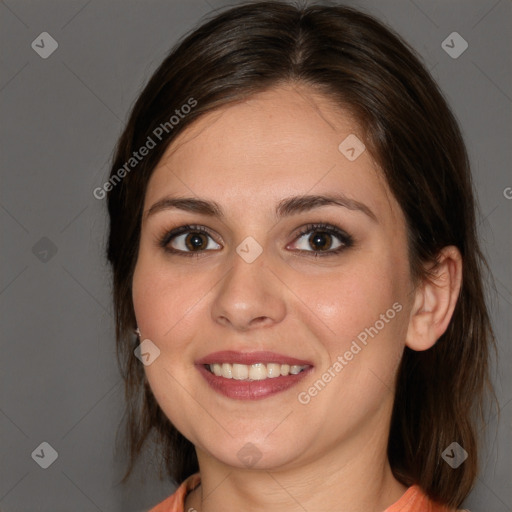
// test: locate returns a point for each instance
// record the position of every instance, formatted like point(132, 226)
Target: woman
point(292, 238)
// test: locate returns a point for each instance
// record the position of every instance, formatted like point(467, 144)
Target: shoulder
point(415, 500)
point(176, 502)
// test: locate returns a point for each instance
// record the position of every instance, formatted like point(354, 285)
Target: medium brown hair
point(362, 66)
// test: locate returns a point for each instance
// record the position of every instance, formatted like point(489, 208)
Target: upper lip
point(231, 356)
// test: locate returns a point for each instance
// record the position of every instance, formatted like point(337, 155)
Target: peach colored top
point(413, 500)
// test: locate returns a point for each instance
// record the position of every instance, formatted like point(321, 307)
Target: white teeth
point(225, 370)
point(240, 371)
point(257, 371)
point(273, 370)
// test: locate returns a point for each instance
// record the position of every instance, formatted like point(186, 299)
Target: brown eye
point(320, 241)
point(188, 239)
point(196, 241)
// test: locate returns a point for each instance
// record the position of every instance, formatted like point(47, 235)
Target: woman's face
point(314, 283)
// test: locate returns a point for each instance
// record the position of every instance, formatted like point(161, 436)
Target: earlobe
point(435, 300)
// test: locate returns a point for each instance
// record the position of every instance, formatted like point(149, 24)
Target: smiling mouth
point(257, 371)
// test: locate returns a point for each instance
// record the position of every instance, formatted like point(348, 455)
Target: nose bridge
point(248, 295)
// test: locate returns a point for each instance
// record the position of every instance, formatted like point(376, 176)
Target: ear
point(435, 300)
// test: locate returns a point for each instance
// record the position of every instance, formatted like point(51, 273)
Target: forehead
point(281, 142)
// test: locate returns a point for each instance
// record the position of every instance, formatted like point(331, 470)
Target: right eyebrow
point(188, 204)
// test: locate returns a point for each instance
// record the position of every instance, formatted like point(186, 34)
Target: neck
point(352, 476)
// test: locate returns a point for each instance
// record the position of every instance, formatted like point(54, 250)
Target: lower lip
point(251, 389)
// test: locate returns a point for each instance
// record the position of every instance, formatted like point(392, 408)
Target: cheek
point(164, 304)
point(360, 320)
point(360, 315)
point(351, 299)
point(163, 297)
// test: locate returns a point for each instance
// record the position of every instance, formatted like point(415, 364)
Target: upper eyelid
point(171, 234)
point(317, 226)
point(343, 236)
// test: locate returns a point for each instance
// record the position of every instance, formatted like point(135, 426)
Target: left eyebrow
point(285, 208)
point(298, 204)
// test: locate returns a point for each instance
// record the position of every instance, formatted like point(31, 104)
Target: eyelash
point(345, 239)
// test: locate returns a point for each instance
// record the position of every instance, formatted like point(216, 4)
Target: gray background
point(61, 117)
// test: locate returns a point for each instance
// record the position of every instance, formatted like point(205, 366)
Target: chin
point(245, 453)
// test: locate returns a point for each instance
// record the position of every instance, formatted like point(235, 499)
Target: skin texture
point(331, 452)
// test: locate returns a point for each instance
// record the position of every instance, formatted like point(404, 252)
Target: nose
point(249, 297)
